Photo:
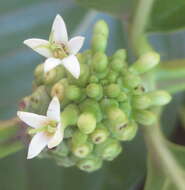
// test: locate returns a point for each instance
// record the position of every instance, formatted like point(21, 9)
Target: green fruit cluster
point(100, 109)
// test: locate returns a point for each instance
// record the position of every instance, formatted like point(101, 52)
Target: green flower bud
point(99, 43)
point(120, 54)
point(70, 115)
point(117, 65)
point(126, 107)
point(90, 163)
point(145, 117)
point(139, 90)
point(82, 150)
point(86, 57)
point(72, 92)
point(100, 134)
point(61, 150)
point(141, 102)
point(131, 80)
point(94, 90)
point(102, 75)
point(99, 62)
point(159, 97)
point(79, 137)
point(93, 79)
point(91, 106)
point(117, 116)
point(112, 76)
point(122, 97)
point(86, 123)
point(68, 132)
point(146, 62)
point(109, 149)
point(104, 82)
point(108, 103)
point(39, 74)
point(112, 90)
point(101, 28)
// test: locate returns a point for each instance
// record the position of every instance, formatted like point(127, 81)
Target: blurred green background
point(22, 19)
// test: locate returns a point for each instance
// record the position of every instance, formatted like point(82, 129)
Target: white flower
point(58, 50)
point(48, 129)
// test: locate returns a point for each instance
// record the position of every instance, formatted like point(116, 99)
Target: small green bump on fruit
point(112, 90)
point(145, 117)
point(99, 62)
point(109, 149)
point(86, 123)
point(73, 93)
point(99, 43)
point(120, 54)
point(100, 134)
point(94, 90)
point(101, 28)
point(159, 97)
point(90, 163)
point(141, 102)
point(146, 62)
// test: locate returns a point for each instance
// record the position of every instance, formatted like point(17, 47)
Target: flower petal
point(59, 30)
point(57, 138)
point(72, 64)
point(32, 119)
point(75, 44)
point(51, 63)
point(40, 46)
point(37, 144)
point(53, 111)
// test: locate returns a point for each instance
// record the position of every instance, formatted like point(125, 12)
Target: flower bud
point(122, 97)
point(61, 150)
point(120, 54)
point(99, 43)
point(90, 163)
point(112, 90)
point(117, 65)
point(109, 149)
point(101, 28)
point(145, 117)
point(94, 90)
point(100, 134)
point(125, 107)
point(93, 79)
point(99, 62)
point(70, 115)
point(102, 75)
point(79, 137)
point(141, 102)
point(73, 93)
point(39, 74)
point(159, 97)
point(86, 123)
point(145, 63)
point(112, 76)
point(131, 80)
point(107, 103)
point(68, 132)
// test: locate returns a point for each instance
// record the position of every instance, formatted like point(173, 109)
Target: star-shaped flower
point(58, 50)
point(47, 130)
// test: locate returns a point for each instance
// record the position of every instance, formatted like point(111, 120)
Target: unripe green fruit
point(86, 123)
point(72, 92)
point(102, 75)
point(100, 134)
point(94, 90)
point(131, 80)
point(141, 102)
point(68, 132)
point(79, 137)
point(107, 103)
point(70, 115)
point(93, 79)
point(145, 117)
point(39, 74)
point(112, 90)
point(117, 65)
point(120, 54)
point(145, 63)
point(99, 43)
point(159, 97)
point(101, 28)
point(90, 163)
point(99, 62)
point(112, 76)
point(82, 150)
point(109, 149)
point(126, 107)
point(122, 97)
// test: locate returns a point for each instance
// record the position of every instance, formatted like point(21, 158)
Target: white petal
point(32, 119)
point(51, 63)
point(75, 44)
point(72, 64)
point(59, 30)
point(54, 109)
point(40, 46)
point(57, 138)
point(37, 144)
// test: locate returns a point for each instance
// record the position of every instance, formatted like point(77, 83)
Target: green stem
point(160, 153)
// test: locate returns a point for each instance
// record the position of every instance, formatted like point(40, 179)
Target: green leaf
point(158, 180)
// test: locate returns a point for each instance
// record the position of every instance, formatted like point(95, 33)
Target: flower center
point(48, 127)
point(59, 51)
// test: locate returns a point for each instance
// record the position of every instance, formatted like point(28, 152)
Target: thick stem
point(160, 153)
